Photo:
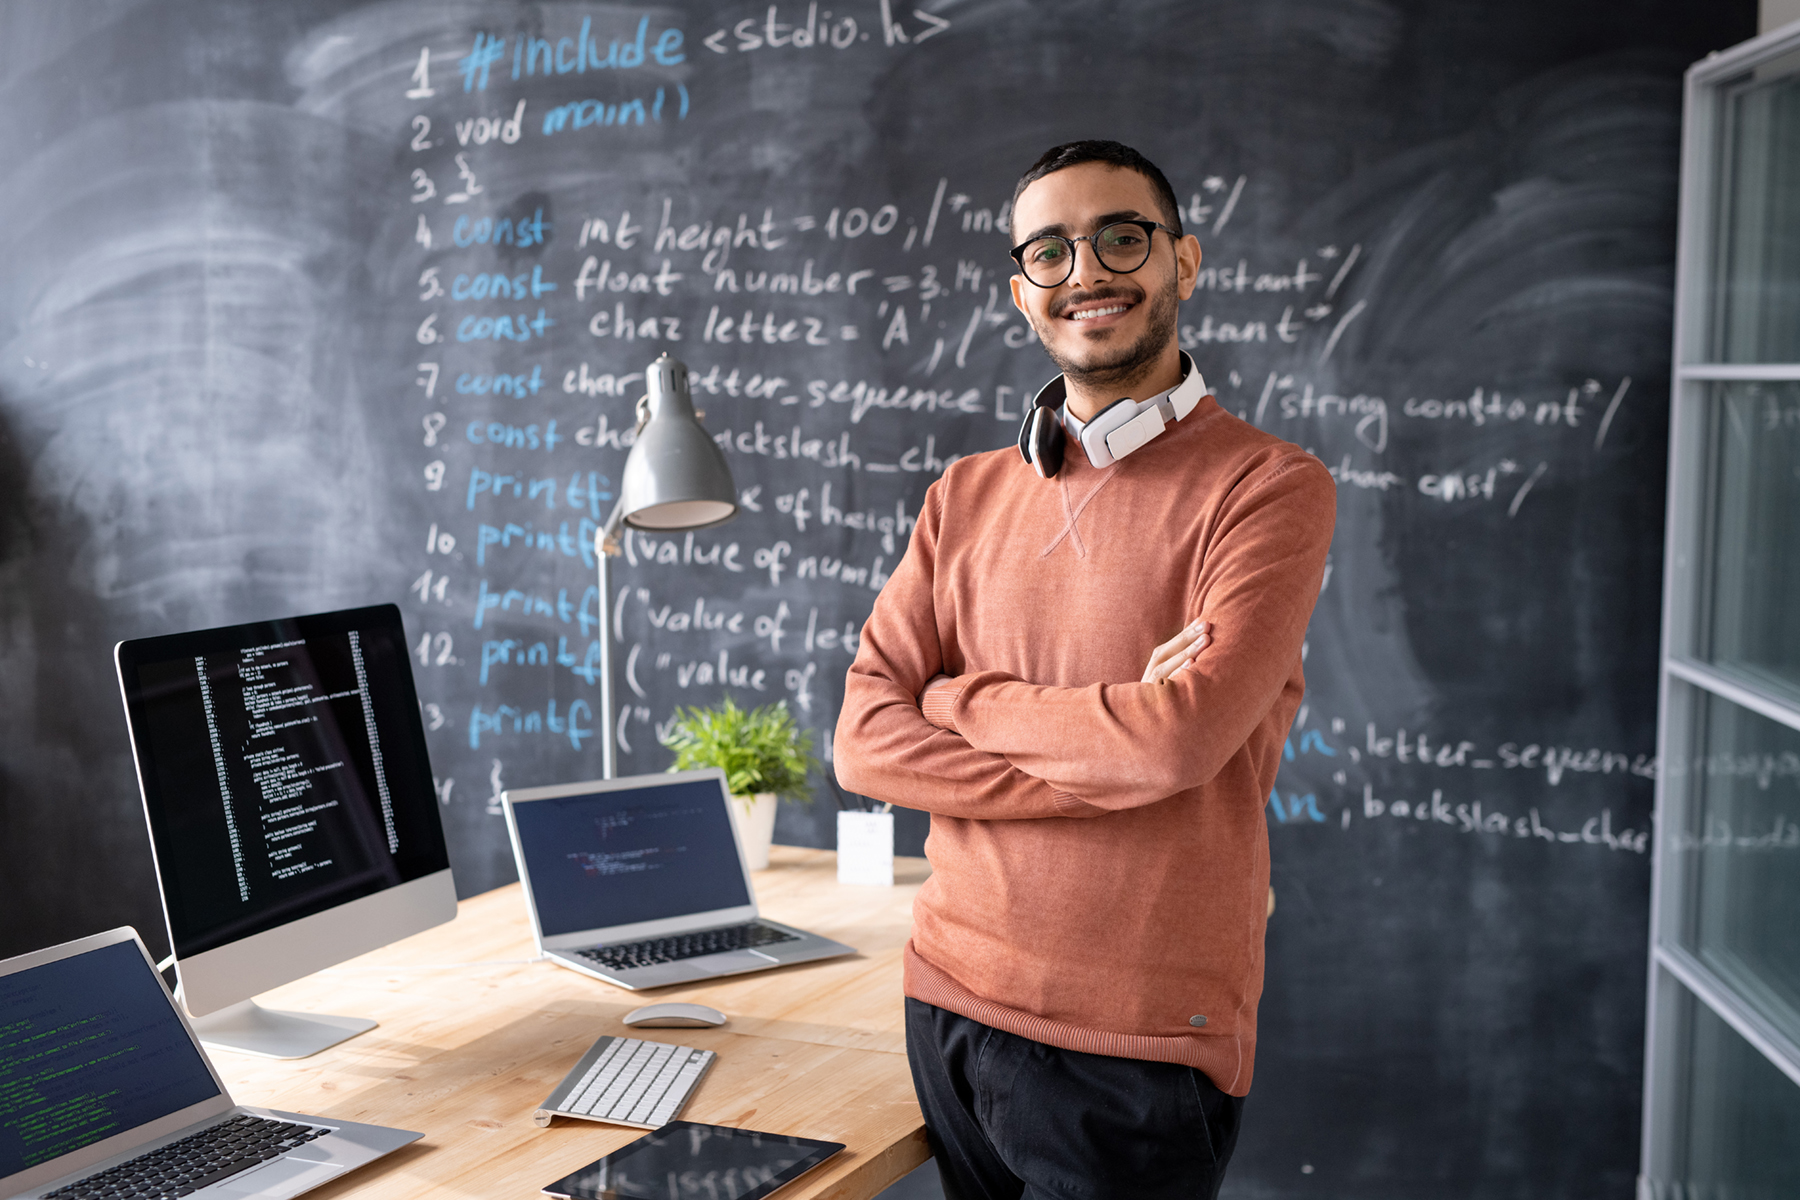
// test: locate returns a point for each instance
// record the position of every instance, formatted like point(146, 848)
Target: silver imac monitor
point(291, 809)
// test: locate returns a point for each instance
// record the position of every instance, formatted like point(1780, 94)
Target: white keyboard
point(625, 1081)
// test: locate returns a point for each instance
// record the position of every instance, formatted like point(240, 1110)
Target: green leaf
point(759, 749)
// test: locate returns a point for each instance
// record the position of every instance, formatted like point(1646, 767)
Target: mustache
point(1116, 292)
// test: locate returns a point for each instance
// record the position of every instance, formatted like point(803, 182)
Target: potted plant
point(763, 753)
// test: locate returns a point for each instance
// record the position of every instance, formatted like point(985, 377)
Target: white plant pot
point(755, 817)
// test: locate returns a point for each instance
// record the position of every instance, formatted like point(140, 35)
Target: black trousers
point(1014, 1119)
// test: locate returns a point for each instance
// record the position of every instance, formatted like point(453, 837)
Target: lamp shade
point(675, 477)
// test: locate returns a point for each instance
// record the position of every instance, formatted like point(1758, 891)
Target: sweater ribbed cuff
point(939, 705)
point(1069, 805)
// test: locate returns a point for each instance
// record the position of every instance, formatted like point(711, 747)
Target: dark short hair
point(1116, 154)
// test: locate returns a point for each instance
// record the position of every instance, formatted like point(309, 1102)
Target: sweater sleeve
point(1124, 745)
point(885, 748)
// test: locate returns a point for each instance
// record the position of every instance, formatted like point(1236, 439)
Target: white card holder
point(865, 848)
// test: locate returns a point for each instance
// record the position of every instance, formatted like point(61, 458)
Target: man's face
point(1099, 327)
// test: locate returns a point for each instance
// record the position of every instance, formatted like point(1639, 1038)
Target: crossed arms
point(993, 746)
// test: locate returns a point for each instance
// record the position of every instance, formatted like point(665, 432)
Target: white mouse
point(674, 1014)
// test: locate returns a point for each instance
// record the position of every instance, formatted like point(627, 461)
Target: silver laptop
point(642, 882)
point(102, 1083)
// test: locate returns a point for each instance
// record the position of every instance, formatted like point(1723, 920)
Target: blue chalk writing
point(593, 491)
point(531, 604)
point(579, 54)
point(513, 437)
point(570, 545)
point(1311, 742)
point(487, 231)
point(483, 482)
point(586, 114)
point(588, 493)
point(507, 650)
point(474, 65)
point(587, 667)
point(520, 653)
point(502, 384)
point(1306, 806)
point(482, 329)
point(495, 286)
point(505, 718)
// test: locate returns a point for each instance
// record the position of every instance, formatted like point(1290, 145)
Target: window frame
point(1686, 680)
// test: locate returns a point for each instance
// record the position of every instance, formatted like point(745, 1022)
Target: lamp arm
point(606, 548)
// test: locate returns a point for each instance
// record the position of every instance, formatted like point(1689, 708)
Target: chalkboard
point(316, 304)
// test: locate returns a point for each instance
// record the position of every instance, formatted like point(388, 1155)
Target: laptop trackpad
point(709, 966)
point(279, 1179)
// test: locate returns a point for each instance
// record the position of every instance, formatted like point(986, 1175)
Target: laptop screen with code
point(635, 854)
point(90, 1046)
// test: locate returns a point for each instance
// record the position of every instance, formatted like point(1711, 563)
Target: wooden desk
point(467, 1054)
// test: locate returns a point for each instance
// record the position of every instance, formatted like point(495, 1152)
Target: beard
point(1127, 364)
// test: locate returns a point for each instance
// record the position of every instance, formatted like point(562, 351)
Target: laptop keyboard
point(194, 1162)
point(687, 945)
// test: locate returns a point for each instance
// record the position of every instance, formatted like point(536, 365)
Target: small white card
point(865, 848)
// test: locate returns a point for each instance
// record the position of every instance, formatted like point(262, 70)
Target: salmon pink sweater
point(1100, 862)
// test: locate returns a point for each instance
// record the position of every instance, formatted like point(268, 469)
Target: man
point(1086, 957)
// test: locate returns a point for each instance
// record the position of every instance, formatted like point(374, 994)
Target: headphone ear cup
point(1051, 440)
point(1041, 441)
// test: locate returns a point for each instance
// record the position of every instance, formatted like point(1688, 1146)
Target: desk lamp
point(674, 478)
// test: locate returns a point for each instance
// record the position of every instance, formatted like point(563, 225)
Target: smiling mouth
point(1095, 308)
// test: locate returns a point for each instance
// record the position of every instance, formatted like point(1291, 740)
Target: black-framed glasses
point(1122, 247)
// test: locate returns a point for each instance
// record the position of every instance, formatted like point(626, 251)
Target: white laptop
point(642, 882)
point(105, 1091)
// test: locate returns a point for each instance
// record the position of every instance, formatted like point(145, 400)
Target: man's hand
point(1165, 660)
point(1173, 654)
point(937, 681)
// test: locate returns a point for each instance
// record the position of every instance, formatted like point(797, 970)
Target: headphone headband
point(1116, 430)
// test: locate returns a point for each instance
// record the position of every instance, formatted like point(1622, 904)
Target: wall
point(262, 352)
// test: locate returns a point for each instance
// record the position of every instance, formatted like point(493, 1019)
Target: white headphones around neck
point(1124, 426)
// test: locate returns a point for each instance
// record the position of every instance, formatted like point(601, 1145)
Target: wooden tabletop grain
point(474, 1035)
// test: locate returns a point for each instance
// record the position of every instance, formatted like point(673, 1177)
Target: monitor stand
point(249, 1028)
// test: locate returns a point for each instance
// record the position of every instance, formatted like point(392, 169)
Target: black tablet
point(707, 1162)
